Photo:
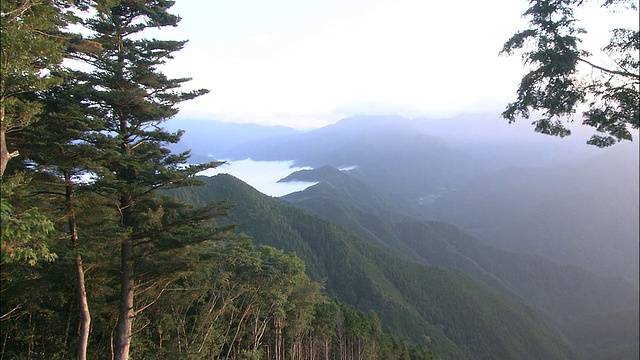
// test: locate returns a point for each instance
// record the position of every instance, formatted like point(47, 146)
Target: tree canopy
point(564, 78)
point(33, 46)
point(97, 258)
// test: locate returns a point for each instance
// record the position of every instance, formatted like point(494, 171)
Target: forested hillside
point(567, 292)
point(584, 212)
point(453, 313)
point(96, 262)
point(522, 193)
point(235, 300)
point(112, 246)
point(567, 295)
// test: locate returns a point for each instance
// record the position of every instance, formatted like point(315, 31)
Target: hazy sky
point(309, 63)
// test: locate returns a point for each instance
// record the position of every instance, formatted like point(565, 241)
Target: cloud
point(262, 175)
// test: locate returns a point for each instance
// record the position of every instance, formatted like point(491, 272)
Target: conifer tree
point(133, 99)
point(57, 150)
point(33, 47)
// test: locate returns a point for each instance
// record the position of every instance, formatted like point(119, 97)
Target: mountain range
point(509, 187)
point(432, 233)
point(564, 294)
point(455, 315)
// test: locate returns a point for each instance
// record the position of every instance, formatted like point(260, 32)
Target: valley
point(553, 237)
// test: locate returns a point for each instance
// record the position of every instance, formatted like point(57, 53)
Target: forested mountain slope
point(515, 191)
point(567, 294)
point(344, 185)
point(610, 335)
point(459, 317)
point(519, 191)
point(562, 292)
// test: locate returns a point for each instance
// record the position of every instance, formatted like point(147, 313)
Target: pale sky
point(308, 63)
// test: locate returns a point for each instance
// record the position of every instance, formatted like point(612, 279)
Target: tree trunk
point(326, 348)
point(85, 315)
point(126, 313)
point(5, 155)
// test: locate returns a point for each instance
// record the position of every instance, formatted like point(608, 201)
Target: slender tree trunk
point(125, 315)
point(85, 315)
point(278, 335)
point(326, 348)
point(5, 155)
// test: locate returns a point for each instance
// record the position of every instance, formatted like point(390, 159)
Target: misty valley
point(544, 230)
point(319, 180)
point(376, 237)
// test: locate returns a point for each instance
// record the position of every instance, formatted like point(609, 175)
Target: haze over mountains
point(556, 197)
point(453, 314)
point(548, 223)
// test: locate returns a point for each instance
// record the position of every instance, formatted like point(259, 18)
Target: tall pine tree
point(57, 150)
point(134, 98)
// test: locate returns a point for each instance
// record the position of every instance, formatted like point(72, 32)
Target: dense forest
point(457, 316)
point(96, 263)
point(113, 248)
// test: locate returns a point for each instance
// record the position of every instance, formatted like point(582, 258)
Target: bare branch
point(136, 312)
point(614, 72)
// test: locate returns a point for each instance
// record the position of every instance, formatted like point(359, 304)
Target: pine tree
point(57, 150)
point(134, 98)
point(33, 47)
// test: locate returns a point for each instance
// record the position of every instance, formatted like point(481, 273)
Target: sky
point(306, 64)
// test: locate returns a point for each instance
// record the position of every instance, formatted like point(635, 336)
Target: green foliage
point(22, 235)
point(558, 87)
point(31, 42)
point(241, 301)
point(24, 229)
point(608, 335)
point(451, 313)
point(33, 47)
point(229, 307)
point(198, 292)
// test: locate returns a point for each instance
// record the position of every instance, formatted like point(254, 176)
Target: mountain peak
point(323, 173)
point(395, 122)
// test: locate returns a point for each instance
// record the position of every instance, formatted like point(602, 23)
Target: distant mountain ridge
point(443, 180)
point(211, 140)
point(471, 181)
point(386, 153)
point(548, 222)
